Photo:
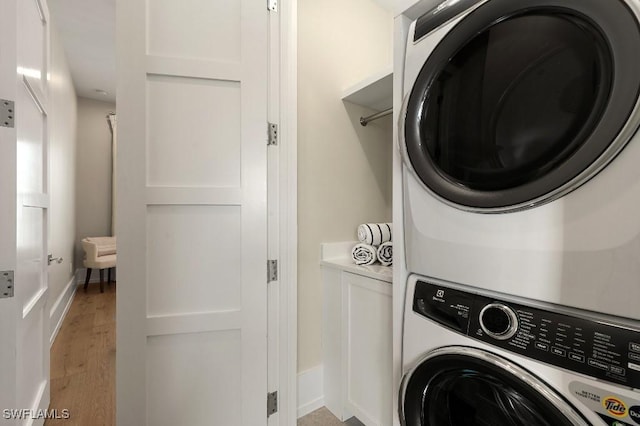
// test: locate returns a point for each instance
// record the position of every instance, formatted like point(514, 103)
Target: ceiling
point(87, 31)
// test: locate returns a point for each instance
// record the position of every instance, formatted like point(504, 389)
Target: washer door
point(523, 100)
point(457, 386)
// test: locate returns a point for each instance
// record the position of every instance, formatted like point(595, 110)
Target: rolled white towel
point(385, 253)
point(374, 233)
point(363, 254)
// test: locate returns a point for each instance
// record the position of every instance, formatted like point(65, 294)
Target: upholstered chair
point(99, 253)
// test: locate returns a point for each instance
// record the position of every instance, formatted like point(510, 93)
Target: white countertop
point(338, 256)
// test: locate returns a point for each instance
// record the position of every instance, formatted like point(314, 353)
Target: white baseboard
point(81, 275)
point(61, 307)
point(310, 390)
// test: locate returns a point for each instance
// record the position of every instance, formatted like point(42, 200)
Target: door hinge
point(272, 270)
point(273, 134)
point(7, 113)
point(272, 5)
point(6, 284)
point(272, 403)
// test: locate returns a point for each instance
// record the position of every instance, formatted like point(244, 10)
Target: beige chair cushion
point(100, 252)
point(106, 250)
point(106, 245)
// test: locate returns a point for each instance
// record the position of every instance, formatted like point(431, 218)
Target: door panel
point(24, 328)
point(185, 365)
point(192, 237)
point(32, 40)
point(210, 114)
point(30, 370)
point(30, 249)
point(192, 213)
point(30, 143)
point(189, 29)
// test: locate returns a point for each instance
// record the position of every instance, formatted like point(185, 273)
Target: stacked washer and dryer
point(521, 214)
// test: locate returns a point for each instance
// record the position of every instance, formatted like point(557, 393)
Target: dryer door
point(522, 101)
point(466, 386)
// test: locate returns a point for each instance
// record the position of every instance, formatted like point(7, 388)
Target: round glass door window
point(514, 104)
point(455, 389)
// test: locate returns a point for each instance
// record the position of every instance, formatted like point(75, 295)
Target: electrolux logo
point(614, 406)
point(440, 293)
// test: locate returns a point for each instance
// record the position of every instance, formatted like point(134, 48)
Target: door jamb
point(287, 217)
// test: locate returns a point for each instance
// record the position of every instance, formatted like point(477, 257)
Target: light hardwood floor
point(83, 359)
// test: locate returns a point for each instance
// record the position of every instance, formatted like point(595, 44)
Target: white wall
point(62, 184)
point(93, 196)
point(344, 169)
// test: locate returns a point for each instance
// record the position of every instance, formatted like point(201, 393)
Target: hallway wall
point(93, 162)
point(62, 181)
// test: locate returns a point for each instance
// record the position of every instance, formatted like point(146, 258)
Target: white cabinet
point(357, 344)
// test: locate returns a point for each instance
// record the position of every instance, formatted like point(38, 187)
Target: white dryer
point(476, 358)
point(521, 158)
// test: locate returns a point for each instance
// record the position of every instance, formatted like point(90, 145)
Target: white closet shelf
point(375, 91)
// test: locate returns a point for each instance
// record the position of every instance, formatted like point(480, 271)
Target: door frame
point(8, 186)
point(282, 202)
point(288, 210)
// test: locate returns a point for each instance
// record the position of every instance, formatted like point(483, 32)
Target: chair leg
point(86, 281)
point(109, 276)
point(101, 280)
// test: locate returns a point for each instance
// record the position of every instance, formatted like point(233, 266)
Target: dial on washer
point(498, 321)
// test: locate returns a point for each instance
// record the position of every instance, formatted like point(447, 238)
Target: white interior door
point(192, 212)
point(24, 324)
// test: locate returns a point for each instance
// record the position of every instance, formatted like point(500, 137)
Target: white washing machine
point(521, 157)
point(477, 358)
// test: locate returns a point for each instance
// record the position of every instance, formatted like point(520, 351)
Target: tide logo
point(615, 406)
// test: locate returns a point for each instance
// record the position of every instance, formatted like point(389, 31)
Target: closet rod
point(365, 120)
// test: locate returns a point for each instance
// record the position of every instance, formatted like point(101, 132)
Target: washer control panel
point(599, 349)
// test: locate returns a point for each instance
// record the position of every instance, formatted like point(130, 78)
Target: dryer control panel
point(600, 349)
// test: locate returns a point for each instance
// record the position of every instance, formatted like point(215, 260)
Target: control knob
point(499, 321)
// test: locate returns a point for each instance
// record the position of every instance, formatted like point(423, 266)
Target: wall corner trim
point(310, 390)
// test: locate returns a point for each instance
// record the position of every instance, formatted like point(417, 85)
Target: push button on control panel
point(598, 364)
point(542, 346)
point(634, 347)
point(558, 351)
point(576, 357)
